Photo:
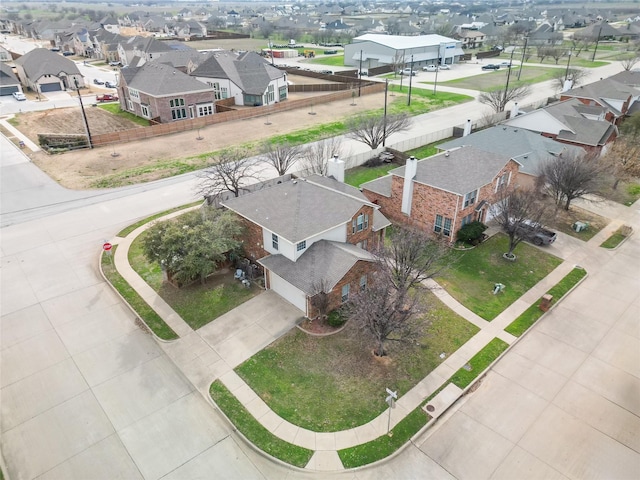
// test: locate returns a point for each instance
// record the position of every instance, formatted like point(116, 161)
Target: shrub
point(471, 232)
point(336, 318)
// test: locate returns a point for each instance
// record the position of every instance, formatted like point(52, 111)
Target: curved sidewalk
point(203, 361)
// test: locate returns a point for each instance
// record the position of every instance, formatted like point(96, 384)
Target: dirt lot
point(154, 158)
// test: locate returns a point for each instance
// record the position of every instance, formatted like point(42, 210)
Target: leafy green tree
point(194, 244)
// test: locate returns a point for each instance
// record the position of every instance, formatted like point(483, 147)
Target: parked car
point(505, 64)
point(327, 72)
point(430, 68)
point(110, 85)
point(67, 53)
point(407, 71)
point(19, 96)
point(114, 64)
point(491, 66)
point(97, 81)
point(107, 97)
point(537, 234)
point(444, 66)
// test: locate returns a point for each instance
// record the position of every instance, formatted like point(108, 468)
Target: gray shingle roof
point(602, 90)
point(381, 186)
point(157, 79)
point(249, 71)
point(296, 210)
point(324, 260)
point(40, 61)
point(7, 77)
point(460, 171)
point(528, 148)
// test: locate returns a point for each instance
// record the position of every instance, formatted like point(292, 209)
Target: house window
point(345, 293)
point(274, 241)
point(205, 109)
point(133, 93)
point(146, 110)
point(255, 100)
point(218, 92)
point(467, 219)
point(270, 94)
point(301, 245)
point(363, 283)
point(283, 93)
point(360, 223)
point(443, 225)
point(503, 181)
point(470, 198)
point(130, 106)
point(178, 112)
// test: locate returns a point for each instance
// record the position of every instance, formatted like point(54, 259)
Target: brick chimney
point(410, 169)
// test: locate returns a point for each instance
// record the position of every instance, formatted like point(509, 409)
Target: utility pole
point(84, 115)
point(566, 73)
point(360, 74)
point(410, 77)
point(506, 87)
point(593, 59)
point(524, 52)
point(384, 119)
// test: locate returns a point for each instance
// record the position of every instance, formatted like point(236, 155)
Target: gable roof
point(158, 79)
point(249, 71)
point(7, 77)
point(40, 61)
point(458, 171)
point(323, 261)
point(528, 148)
point(298, 209)
point(602, 90)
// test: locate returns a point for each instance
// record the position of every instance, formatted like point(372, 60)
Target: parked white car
point(19, 96)
point(430, 68)
point(407, 71)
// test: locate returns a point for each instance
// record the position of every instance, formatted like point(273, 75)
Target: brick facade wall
point(366, 234)
point(252, 244)
point(427, 202)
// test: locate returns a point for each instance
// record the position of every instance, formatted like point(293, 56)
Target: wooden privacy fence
point(195, 123)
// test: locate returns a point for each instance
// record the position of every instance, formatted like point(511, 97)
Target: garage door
point(287, 291)
point(8, 90)
point(50, 87)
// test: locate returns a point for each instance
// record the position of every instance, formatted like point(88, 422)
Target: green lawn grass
point(146, 313)
point(127, 230)
point(197, 304)
point(254, 431)
point(473, 274)
point(486, 82)
point(358, 175)
point(614, 240)
point(115, 109)
point(330, 60)
point(333, 383)
point(533, 313)
point(479, 363)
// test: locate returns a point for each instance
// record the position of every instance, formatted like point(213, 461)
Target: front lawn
point(115, 109)
point(356, 176)
point(331, 60)
point(474, 273)
point(197, 304)
point(334, 383)
point(563, 221)
point(486, 82)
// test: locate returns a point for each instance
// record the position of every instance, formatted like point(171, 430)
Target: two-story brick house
point(442, 193)
point(163, 93)
point(309, 235)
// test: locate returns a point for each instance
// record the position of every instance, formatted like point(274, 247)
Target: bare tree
point(556, 54)
point(383, 315)
point(315, 156)
point(572, 176)
point(544, 51)
point(498, 99)
point(231, 171)
point(623, 156)
point(281, 156)
point(629, 63)
point(397, 62)
point(575, 74)
point(519, 213)
point(372, 130)
point(320, 298)
point(409, 257)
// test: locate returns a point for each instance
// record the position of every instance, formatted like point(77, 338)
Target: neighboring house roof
point(249, 70)
point(181, 58)
point(323, 261)
point(7, 77)
point(298, 209)
point(157, 80)
point(630, 78)
point(40, 61)
point(603, 90)
point(528, 148)
point(459, 171)
point(587, 132)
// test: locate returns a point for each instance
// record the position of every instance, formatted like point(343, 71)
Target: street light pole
point(84, 115)
point(593, 59)
point(360, 74)
point(410, 78)
point(384, 119)
point(506, 87)
point(566, 73)
point(524, 52)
